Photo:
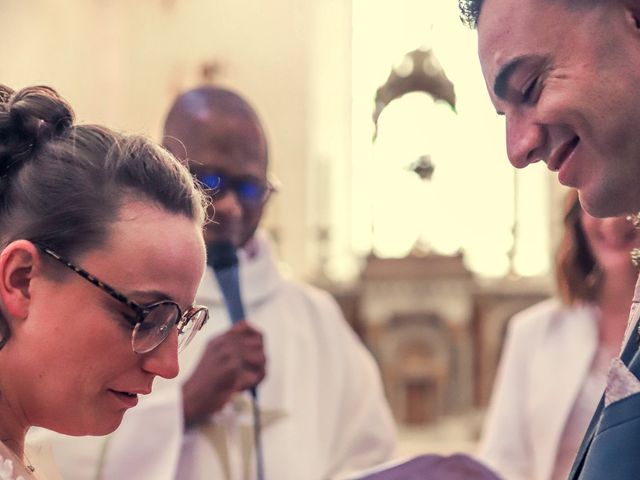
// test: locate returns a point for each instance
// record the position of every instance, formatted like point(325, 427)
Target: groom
point(565, 75)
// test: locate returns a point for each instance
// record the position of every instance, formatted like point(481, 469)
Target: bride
point(101, 253)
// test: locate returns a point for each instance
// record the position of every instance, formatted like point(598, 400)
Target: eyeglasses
point(248, 190)
point(153, 322)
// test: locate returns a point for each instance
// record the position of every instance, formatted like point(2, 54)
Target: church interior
point(395, 192)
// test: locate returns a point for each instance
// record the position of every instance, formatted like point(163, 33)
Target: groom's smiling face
point(562, 75)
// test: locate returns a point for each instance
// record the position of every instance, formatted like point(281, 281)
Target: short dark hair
point(63, 185)
point(578, 274)
point(214, 100)
point(470, 11)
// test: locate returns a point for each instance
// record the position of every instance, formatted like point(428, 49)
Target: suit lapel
point(586, 442)
point(629, 357)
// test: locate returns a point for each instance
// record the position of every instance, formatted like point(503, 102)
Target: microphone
point(222, 257)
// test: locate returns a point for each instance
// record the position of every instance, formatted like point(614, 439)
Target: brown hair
point(578, 274)
point(62, 184)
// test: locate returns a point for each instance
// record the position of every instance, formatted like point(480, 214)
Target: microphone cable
point(257, 434)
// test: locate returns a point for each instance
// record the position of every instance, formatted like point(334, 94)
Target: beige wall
point(120, 62)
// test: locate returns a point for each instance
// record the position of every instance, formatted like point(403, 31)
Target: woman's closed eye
point(130, 318)
point(124, 315)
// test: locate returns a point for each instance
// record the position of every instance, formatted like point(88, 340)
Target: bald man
point(322, 405)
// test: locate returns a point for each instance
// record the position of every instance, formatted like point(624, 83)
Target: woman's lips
point(127, 399)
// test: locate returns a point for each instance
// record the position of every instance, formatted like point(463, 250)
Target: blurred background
point(426, 235)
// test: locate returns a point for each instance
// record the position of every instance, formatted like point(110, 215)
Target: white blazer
point(548, 353)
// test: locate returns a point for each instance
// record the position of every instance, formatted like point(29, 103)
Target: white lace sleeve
point(12, 468)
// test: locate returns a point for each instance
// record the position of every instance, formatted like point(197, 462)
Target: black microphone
point(222, 257)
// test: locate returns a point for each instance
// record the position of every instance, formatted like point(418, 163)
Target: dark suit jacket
point(611, 447)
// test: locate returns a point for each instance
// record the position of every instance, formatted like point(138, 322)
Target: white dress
point(37, 465)
point(11, 467)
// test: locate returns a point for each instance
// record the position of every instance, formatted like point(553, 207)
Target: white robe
point(322, 405)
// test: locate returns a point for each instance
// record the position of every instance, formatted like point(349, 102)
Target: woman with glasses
point(101, 253)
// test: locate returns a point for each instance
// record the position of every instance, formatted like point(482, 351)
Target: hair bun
point(29, 118)
point(5, 94)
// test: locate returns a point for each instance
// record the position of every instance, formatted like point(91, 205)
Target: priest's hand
point(232, 362)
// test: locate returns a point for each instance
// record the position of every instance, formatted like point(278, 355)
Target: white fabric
point(549, 351)
point(323, 408)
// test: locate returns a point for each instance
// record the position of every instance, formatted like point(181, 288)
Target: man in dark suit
point(565, 75)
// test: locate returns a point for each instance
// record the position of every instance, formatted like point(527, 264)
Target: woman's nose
point(163, 360)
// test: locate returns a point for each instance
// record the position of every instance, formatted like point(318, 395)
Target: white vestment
point(322, 405)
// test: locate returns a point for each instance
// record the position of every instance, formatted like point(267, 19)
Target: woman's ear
point(18, 262)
